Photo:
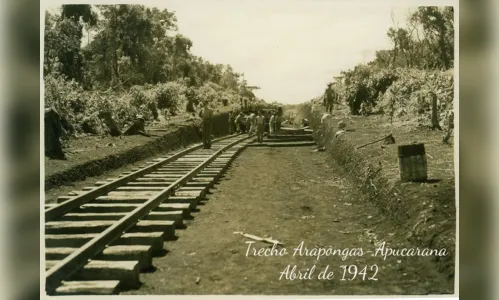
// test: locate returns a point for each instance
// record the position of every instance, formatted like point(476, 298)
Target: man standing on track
point(206, 114)
point(231, 122)
point(260, 126)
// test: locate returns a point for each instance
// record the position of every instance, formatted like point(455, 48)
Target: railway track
point(99, 239)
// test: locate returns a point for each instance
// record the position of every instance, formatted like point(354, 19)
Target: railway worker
point(272, 124)
point(255, 114)
point(243, 122)
point(251, 123)
point(277, 119)
point(260, 126)
point(266, 129)
point(278, 122)
point(231, 122)
point(237, 122)
point(329, 98)
point(207, 115)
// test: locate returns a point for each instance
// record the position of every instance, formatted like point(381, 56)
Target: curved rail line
point(98, 239)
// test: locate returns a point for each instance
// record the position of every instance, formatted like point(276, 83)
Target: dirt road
point(294, 196)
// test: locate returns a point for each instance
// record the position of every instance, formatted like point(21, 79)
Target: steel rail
point(72, 263)
point(74, 202)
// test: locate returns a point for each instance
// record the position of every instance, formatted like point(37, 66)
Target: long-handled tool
point(382, 139)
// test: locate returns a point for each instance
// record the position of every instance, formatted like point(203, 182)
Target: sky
point(289, 48)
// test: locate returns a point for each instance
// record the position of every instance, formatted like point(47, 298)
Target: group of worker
point(254, 122)
point(251, 122)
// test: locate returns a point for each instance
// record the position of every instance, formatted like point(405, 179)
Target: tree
point(135, 58)
point(433, 48)
point(62, 48)
point(135, 39)
point(438, 27)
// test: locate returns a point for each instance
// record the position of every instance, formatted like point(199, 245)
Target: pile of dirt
point(425, 211)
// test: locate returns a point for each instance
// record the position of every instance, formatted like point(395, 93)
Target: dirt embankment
point(112, 153)
point(426, 211)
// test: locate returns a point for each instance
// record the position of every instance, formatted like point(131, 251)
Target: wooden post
point(434, 112)
point(450, 126)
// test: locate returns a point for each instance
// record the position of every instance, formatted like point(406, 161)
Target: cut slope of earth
point(426, 210)
point(91, 156)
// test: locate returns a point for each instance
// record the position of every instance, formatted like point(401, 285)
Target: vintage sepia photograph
point(249, 148)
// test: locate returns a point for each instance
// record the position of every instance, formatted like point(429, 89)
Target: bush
point(143, 98)
point(209, 93)
point(364, 85)
point(409, 98)
point(68, 98)
point(193, 99)
point(171, 96)
point(86, 111)
point(402, 94)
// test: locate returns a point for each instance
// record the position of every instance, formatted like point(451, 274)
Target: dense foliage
point(126, 60)
point(399, 81)
point(409, 97)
